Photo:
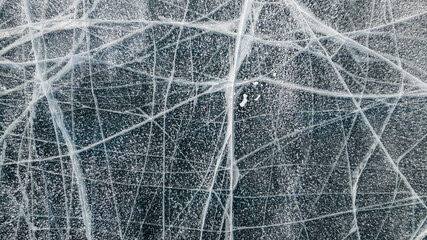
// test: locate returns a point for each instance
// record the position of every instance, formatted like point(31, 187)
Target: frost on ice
point(219, 119)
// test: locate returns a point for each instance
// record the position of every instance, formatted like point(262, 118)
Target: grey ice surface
point(213, 119)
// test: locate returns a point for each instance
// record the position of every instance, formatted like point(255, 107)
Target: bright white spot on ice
point(244, 101)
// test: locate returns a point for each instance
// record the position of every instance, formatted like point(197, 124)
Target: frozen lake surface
point(213, 119)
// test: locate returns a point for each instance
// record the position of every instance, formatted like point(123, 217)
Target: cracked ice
point(222, 119)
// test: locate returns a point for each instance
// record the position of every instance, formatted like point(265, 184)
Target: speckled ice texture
point(213, 119)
